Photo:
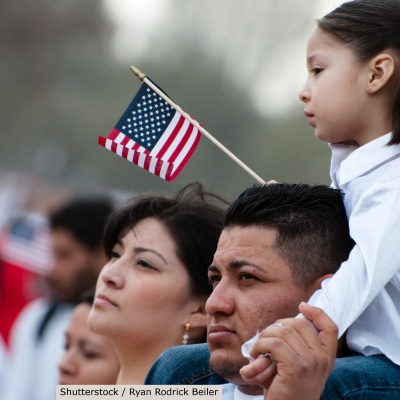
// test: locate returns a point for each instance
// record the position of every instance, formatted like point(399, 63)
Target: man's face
point(253, 287)
point(75, 267)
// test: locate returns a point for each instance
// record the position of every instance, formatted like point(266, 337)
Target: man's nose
point(221, 300)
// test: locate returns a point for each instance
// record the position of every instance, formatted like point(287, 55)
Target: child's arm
point(373, 262)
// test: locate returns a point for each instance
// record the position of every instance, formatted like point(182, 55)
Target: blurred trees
point(61, 88)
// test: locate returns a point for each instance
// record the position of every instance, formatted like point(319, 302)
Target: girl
point(352, 100)
point(151, 294)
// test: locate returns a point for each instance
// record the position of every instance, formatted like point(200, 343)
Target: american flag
point(153, 135)
point(27, 244)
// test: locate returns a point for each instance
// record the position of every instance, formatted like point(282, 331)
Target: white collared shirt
point(230, 391)
point(364, 295)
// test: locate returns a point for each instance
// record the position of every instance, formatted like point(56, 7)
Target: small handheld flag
point(157, 135)
point(153, 135)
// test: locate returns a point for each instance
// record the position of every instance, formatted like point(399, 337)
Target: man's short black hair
point(310, 221)
point(85, 218)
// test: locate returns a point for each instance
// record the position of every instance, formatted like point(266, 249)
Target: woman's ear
point(381, 69)
point(198, 317)
point(196, 324)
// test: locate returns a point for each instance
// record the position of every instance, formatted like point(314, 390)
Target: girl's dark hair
point(369, 27)
point(194, 219)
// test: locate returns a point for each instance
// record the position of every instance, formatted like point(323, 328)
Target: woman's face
point(143, 295)
point(89, 358)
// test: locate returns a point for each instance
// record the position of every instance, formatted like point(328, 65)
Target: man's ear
point(381, 69)
point(316, 285)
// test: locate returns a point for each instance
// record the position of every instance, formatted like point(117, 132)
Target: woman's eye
point(114, 254)
point(89, 354)
point(145, 264)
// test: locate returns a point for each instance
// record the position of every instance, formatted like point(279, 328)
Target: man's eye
point(214, 279)
point(246, 277)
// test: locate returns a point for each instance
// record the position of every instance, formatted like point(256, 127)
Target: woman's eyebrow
point(145, 249)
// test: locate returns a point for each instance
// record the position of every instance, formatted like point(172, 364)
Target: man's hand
point(301, 358)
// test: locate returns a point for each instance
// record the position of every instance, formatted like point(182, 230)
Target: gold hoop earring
point(185, 336)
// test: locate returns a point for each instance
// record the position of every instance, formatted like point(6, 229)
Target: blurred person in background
point(151, 294)
point(25, 251)
point(89, 358)
point(38, 334)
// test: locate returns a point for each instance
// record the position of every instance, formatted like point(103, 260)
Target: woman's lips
point(102, 300)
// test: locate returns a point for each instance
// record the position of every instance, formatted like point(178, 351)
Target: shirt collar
point(354, 161)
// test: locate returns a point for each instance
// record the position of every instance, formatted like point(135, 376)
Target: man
point(38, 334)
point(279, 242)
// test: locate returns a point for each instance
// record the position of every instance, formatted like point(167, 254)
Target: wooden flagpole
point(143, 77)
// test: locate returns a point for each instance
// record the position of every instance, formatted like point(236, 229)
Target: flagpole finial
point(138, 72)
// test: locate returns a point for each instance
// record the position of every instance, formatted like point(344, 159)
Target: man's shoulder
point(183, 365)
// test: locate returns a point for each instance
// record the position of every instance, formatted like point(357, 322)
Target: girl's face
point(89, 358)
point(335, 92)
point(143, 295)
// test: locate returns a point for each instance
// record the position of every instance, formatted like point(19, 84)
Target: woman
point(89, 358)
point(151, 294)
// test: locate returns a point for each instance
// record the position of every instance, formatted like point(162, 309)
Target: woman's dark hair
point(194, 219)
point(369, 27)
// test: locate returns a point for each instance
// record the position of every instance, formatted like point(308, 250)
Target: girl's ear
point(382, 68)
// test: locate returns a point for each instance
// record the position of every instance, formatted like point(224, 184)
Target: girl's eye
point(316, 70)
